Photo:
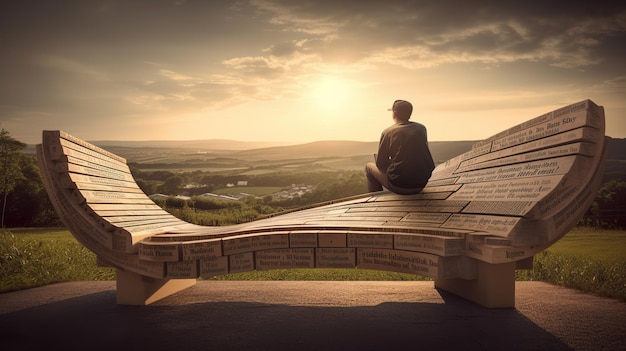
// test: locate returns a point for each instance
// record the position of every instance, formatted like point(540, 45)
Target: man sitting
point(403, 163)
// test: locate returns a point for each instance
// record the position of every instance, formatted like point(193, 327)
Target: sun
point(331, 92)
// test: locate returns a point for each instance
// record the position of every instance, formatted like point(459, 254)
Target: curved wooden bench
point(483, 215)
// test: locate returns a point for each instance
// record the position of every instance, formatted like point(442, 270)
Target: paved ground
point(233, 315)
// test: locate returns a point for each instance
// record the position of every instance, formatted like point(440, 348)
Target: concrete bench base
point(138, 290)
point(494, 287)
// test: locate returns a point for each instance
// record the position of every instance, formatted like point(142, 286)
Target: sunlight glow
point(331, 92)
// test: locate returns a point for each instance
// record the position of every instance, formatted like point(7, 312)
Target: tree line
point(24, 200)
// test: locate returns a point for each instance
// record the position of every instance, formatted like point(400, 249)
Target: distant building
point(193, 185)
point(220, 197)
point(242, 183)
point(296, 190)
point(163, 196)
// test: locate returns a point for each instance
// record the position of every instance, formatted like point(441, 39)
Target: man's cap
point(401, 106)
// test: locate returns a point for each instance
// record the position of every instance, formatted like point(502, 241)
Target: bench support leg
point(138, 290)
point(494, 287)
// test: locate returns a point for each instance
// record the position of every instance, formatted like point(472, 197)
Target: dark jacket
point(404, 155)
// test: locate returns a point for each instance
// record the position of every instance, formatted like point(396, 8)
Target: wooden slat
point(576, 135)
point(82, 181)
point(584, 149)
point(88, 155)
point(126, 212)
point(103, 173)
point(112, 197)
point(127, 218)
point(124, 207)
point(130, 189)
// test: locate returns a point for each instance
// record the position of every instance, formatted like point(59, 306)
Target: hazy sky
point(305, 70)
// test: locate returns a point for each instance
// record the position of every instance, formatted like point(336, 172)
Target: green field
point(586, 259)
point(594, 245)
point(35, 257)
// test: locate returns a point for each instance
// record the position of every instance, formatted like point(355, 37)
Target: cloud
point(132, 60)
point(420, 34)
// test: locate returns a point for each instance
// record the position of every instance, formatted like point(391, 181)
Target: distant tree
point(173, 201)
point(172, 185)
point(28, 204)
point(609, 207)
point(148, 187)
point(350, 184)
point(158, 175)
point(10, 172)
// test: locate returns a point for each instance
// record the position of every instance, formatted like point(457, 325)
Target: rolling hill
point(229, 155)
point(143, 151)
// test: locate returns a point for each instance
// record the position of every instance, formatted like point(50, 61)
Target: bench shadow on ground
point(96, 322)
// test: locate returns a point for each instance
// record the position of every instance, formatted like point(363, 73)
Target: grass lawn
point(35, 257)
point(593, 244)
point(586, 259)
